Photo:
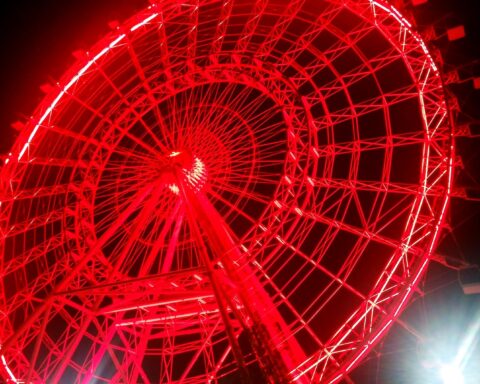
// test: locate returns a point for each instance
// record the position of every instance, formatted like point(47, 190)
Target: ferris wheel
point(224, 191)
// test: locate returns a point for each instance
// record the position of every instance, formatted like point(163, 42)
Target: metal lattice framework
point(224, 190)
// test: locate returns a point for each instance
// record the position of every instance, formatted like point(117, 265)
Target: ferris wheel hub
point(182, 167)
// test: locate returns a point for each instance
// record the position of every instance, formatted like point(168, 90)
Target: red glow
point(219, 185)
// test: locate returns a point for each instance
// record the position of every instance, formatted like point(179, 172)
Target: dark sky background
point(37, 38)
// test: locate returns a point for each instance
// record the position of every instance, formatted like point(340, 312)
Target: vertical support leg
point(277, 352)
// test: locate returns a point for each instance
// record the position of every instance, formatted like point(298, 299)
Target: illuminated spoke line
point(265, 159)
point(116, 127)
point(299, 321)
point(110, 207)
point(104, 211)
point(247, 179)
point(114, 174)
point(205, 345)
point(250, 195)
point(127, 103)
point(232, 206)
point(245, 105)
point(343, 274)
point(335, 279)
point(260, 125)
point(153, 103)
point(53, 161)
point(159, 240)
point(382, 103)
point(372, 232)
point(120, 150)
point(127, 249)
point(227, 97)
point(122, 187)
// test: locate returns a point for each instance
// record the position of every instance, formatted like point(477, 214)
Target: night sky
point(37, 40)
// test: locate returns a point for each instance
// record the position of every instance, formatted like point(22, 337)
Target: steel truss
point(224, 189)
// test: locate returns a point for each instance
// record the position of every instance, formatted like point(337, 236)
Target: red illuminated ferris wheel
point(224, 191)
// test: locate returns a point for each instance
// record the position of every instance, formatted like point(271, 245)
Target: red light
point(456, 33)
point(206, 175)
point(418, 2)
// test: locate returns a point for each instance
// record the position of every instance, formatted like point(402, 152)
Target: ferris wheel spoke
point(386, 144)
point(131, 108)
point(284, 299)
point(166, 133)
point(117, 128)
point(167, 263)
point(245, 105)
point(175, 217)
point(240, 101)
point(250, 195)
point(77, 136)
point(232, 206)
point(344, 80)
point(132, 178)
point(130, 154)
point(124, 253)
point(371, 107)
point(110, 206)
